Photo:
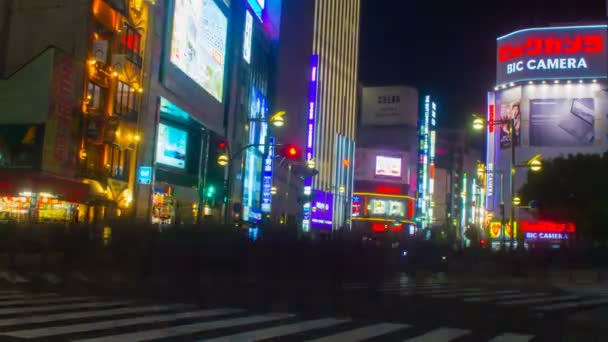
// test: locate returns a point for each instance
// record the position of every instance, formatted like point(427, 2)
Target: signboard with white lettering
point(546, 236)
point(267, 178)
point(144, 175)
point(387, 106)
point(572, 52)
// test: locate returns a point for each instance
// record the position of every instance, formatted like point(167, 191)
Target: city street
point(395, 309)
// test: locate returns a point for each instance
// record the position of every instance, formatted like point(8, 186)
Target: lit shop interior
point(27, 207)
point(382, 212)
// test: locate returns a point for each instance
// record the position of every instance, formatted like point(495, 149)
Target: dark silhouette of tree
point(574, 189)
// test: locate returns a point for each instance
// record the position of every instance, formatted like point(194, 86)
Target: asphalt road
point(399, 308)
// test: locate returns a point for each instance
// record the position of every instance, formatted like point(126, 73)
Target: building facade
point(551, 83)
point(75, 160)
point(316, 85)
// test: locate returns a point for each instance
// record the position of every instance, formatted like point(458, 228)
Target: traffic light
point(222, 145)
point(292, 152)
point(210, 191)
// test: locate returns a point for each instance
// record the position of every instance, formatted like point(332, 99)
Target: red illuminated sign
point(387, 189)
point(491, 118)
point(547, 227)
point(552, 53)
point(535, 46)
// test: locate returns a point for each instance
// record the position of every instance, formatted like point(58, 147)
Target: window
point(131, 44)
point(126, 98)
point(95, 98)
point(118, 162)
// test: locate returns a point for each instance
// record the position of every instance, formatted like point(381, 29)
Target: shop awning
point(16, 181)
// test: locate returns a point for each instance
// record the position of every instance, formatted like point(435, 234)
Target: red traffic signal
point(222, 145)
point(291, 152)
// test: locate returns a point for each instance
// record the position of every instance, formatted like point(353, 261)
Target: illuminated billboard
point(198, 43)
point(247, 37)
point(562, 122)
point(552, 53)
point(171, 146)
point(388, 166)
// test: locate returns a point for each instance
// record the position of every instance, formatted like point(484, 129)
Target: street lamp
point(273, 190)
point(278, 119)
point(223, 160)
point(516, 201)
point(533, 164)
point(311, 164)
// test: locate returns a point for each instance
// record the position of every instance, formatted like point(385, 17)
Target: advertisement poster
point(198, 43)
point(508, 106)
point(562, 122)
point(388, 166)
point(171, 146)
point(388, 106)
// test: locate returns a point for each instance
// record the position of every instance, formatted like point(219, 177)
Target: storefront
point(32, 197)
point(375, 212)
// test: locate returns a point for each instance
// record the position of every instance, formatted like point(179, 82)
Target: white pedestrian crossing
point(281, 330)
point(90, 314)
point(45, 301)
point(125, 322)
point(439, 335)
point(508, 337)
point(363, 333)
point(538, 300)
point(186, 329)
point(95, 320)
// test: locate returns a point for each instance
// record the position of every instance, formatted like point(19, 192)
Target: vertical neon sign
point(267, 178)
point(310, 134)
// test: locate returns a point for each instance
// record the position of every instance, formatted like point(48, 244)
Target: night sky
point(448, 50)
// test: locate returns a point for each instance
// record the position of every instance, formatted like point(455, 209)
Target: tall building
point(317, 86)
point(69, 127)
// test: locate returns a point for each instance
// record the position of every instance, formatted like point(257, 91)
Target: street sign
point(144, 175)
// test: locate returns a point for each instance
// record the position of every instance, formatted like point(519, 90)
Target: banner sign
point(552, 53)
point(267, 178)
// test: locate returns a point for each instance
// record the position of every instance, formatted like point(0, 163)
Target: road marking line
point(101, 325)
point(494, 295)
point(89, 314)
point(572, 305)
point(412, 288)
point(363, 333)
point(439, 335)
point(21, 296)
point(491, 298)
point(458, 293)
point(281, 330)
point(26, 310)
point(538, 300)
point(508, 337)
point(187, 329)
point(46, 301)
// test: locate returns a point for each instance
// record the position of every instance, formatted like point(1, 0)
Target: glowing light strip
point(381, 220)
point(383, 195)
point(551, 29)
point(312, 107)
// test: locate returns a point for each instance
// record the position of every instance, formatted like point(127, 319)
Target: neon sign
point(552, 52)
point(546, 236)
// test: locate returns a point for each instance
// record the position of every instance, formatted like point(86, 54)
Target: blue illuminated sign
point(267, 178)
point(144, 175)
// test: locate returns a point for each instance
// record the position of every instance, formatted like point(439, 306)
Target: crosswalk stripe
point(8, 311)
point(85, 327)
point(539, 300)
point(473, 294)
point(89, 314)
point(19, 296)
point(439, 335)
point(412, 289)
point(504, 296)
point(459, 293)
point(363, 333)
point(559, 306)
point(281, 330)
point(446, 291)
point(46, 301)
point(508, 337)
point(188, 328)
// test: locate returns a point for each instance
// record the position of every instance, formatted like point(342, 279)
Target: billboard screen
point(552, 53)
point(562, 122)
point(508, 106)
point(171, 146)
point(198, 43)
point(388, 166)
point(386, 106)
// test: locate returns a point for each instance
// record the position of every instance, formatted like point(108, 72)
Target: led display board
point(388, 166)
point(171, 146)
point(552, 53)
point(247, 37)
point(198, 43)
